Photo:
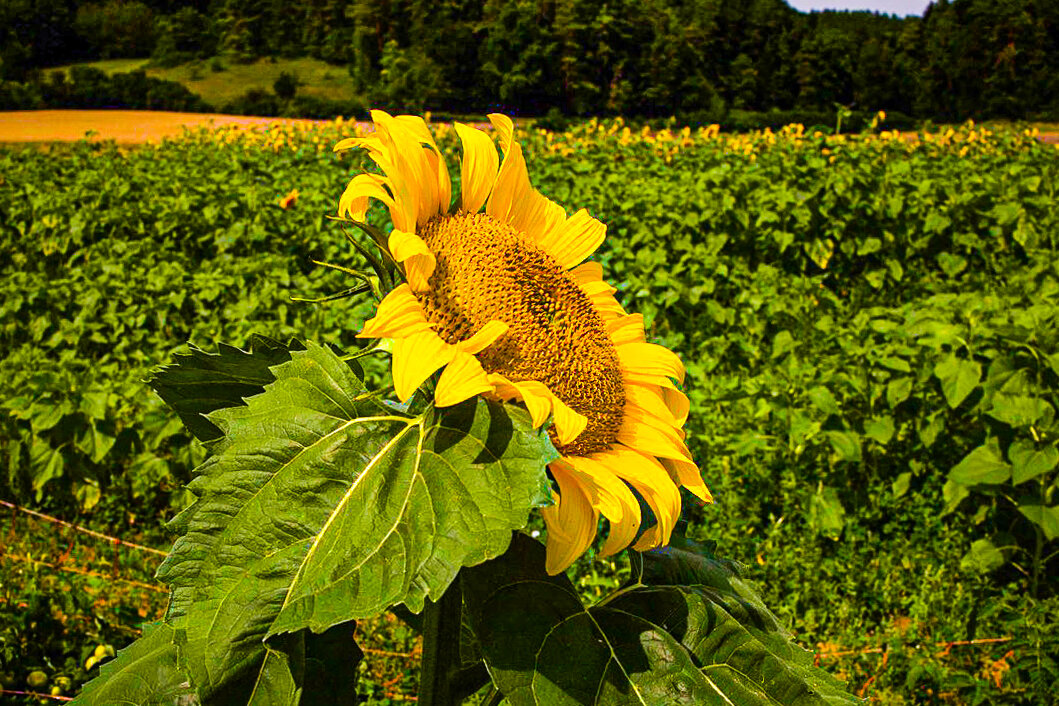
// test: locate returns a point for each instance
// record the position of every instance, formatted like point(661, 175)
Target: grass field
point(217, 87)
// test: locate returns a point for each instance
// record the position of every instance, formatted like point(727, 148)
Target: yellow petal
point(594, 288)
point(574, 240)
point(612, 498)
point(485, 337)
point(687, 474)
point(607, 306)
point(462, 379)
point(418, 127)
point(478, 169)
point(678, 404)
point(504, 127)
point(411, 251)
point(535, 395)
point(647, 400)
point(649, 359)
point(369, 143)
point(651, 481)
point(399, 315)
point(385, 152)
point(568, 423)
point(587, 272)
point(354, 200)
point(649, 539)
point(647, 436)
point(415, 358)
point(571, 523)
point(514, 200)
point(540, 402)
point(626, 329)
point(415, 183)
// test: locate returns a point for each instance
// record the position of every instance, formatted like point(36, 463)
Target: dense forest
point(964, 58)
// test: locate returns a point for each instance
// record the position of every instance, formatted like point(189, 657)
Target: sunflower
point(501, 300)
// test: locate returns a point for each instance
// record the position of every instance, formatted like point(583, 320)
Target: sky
point(895, 7)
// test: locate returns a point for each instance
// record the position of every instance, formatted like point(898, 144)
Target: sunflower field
point(870, 325)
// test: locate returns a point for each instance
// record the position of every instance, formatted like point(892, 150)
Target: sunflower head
point(498, 297)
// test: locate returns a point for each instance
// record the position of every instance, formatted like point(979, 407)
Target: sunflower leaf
point(318, 508)
point(144, 673)
point(200, 382)
point(673, 644)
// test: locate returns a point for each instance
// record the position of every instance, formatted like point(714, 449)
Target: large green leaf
point(983, 465)
point(144, 673)
point(1045, 517)
point(1028, 462)
point(958, 378)
point(317, 508)
point(200, 382)
point(306, 668)
point(707, 643)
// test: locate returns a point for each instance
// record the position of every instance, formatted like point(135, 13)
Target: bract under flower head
point(501, 301)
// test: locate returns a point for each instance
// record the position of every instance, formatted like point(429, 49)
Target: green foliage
point(854, 330)
point(185, 35)
point(285, 86)
point(116, 28)
point(706, 639)
point(87, 87)
point(651, 59)
point(353, 507)
point(408, 79)
point(146, 672)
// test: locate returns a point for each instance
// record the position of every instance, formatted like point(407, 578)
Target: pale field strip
point(122, 126)
point(142, 126)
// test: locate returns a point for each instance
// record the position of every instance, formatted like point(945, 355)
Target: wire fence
point(998, 666)
point(116, 541)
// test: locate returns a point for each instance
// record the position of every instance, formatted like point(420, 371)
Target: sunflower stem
point(441, 649)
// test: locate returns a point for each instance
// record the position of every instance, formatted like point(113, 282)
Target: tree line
point(964, 58)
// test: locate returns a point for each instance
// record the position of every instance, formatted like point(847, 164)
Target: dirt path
point(124, 126)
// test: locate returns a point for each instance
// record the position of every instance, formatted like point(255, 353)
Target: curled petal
point(485, 337)
point(354, 200)
point(411, 251)
point(478, 169)
point(568, 423)
point(650, 360)
point(678, 403)
point(646, 401)
point(541, 402)
point(626, 329)
point(535, 395)
point(571, 522)
point(687, 474)
point(612, 498)
point(462, 379)
point(574, 239)
point(587, 272)
point(651, 481)
point(513, 199)
point(416, 358)
point(399, 315)
point(418, 127)
point(646, 435)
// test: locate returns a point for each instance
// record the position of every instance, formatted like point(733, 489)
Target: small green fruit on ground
point(37, 679)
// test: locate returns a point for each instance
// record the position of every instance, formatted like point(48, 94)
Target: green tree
point(408, 78)
point(117, 28)
point(185, 35)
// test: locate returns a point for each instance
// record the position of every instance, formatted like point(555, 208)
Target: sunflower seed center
point(487, 270)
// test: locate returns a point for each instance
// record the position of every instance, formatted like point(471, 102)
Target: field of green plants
point(870, 326)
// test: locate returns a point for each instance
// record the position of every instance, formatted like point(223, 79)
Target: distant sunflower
point(501, 300)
